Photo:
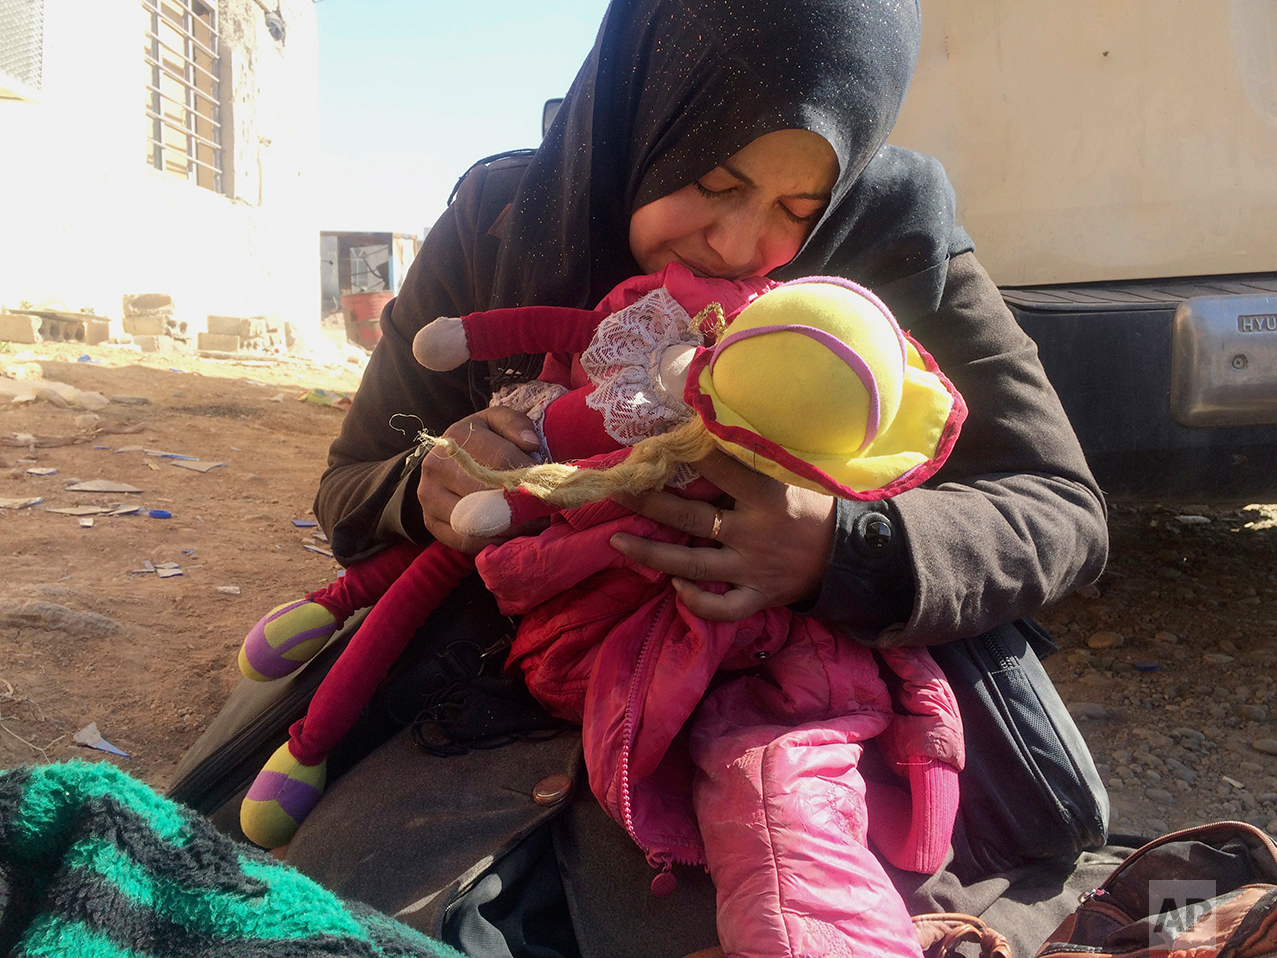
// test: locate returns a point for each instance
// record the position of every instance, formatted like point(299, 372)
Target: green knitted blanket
point(94, 863)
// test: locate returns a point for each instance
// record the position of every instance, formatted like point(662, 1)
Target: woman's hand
point(497, 437)
point(772, 544)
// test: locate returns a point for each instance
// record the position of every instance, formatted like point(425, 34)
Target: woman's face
point(744, 218)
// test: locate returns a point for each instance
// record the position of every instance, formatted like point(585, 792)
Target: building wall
point(1104, 139)
point(84, 218)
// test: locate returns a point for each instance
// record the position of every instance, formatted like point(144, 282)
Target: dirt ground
point(1167, 662)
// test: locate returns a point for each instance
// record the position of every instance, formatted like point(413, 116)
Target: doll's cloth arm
point(497, 333)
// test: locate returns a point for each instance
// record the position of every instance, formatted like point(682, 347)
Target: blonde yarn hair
point(649, 466)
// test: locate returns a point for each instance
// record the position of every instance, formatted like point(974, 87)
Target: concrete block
point(148, 324)
point(245, 327)
point(18, 328)
point(219, 342)
point(156, 344)
point(135, 303)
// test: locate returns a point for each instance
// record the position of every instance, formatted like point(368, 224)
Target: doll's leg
point(291, 782)
point(289, 635)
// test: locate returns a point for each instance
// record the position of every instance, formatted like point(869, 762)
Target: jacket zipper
point(664, 883)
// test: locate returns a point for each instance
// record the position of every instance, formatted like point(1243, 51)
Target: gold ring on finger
point(717, 527)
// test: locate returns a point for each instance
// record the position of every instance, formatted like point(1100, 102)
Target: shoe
point(285, 639)
point(280, 798)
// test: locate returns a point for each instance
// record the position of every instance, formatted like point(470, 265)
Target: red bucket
point(363, 316)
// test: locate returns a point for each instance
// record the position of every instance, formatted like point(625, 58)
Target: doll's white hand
point(771, 548)
point(441, 345)
point(497, 436)
point(482, 514)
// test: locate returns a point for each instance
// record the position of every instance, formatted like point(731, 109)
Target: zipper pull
point(663, 885)
point(1095, 894)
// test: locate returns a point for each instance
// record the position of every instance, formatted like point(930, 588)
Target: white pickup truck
point(1115, 162)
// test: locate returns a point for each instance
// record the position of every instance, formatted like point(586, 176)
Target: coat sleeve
point(1012, 522)
point(367, 495)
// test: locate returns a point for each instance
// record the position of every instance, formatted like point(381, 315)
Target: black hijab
point(674, 87)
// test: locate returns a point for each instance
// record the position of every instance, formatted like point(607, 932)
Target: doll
point(813, 384)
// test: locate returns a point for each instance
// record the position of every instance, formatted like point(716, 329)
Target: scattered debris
point(326, 397)
point(1193, 520)
point(90, 737)
point(20, 503)
point(195, 465)
point(159, 513)
point(1106, 640)
point(165, 570)
point(305, 523)
point(86, 522)
point(320, 550)
point(80, 510)
point(228, 589)
point(102, 485)
point(130, 400)
point(41, 471)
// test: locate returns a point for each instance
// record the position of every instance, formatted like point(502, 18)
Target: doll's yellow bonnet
point(815, 384)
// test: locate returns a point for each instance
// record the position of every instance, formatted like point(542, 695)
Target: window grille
point(21, 47)
point(183, 95)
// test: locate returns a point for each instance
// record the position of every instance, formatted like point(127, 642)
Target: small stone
point(1105, 640)
point(1258, 819)
point(1271, 827)
point(1168, 637)
point(1227, 646)
point(1256, 713)
point(1216, 658)
point(1157, 826)
point(1189, 735)
point(1159, 795)
point(1087, 711)
point(1267, 798)
point(1266, 745)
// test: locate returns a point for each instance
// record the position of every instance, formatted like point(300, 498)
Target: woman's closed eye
point(799, 210)
point(704, 190)
point(805, 214)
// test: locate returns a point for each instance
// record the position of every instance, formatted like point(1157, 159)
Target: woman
point(734, 138)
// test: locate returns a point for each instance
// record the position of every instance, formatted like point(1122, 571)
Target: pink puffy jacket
point(739, 745)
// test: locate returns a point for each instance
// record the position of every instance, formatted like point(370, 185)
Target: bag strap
point(940, 934)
